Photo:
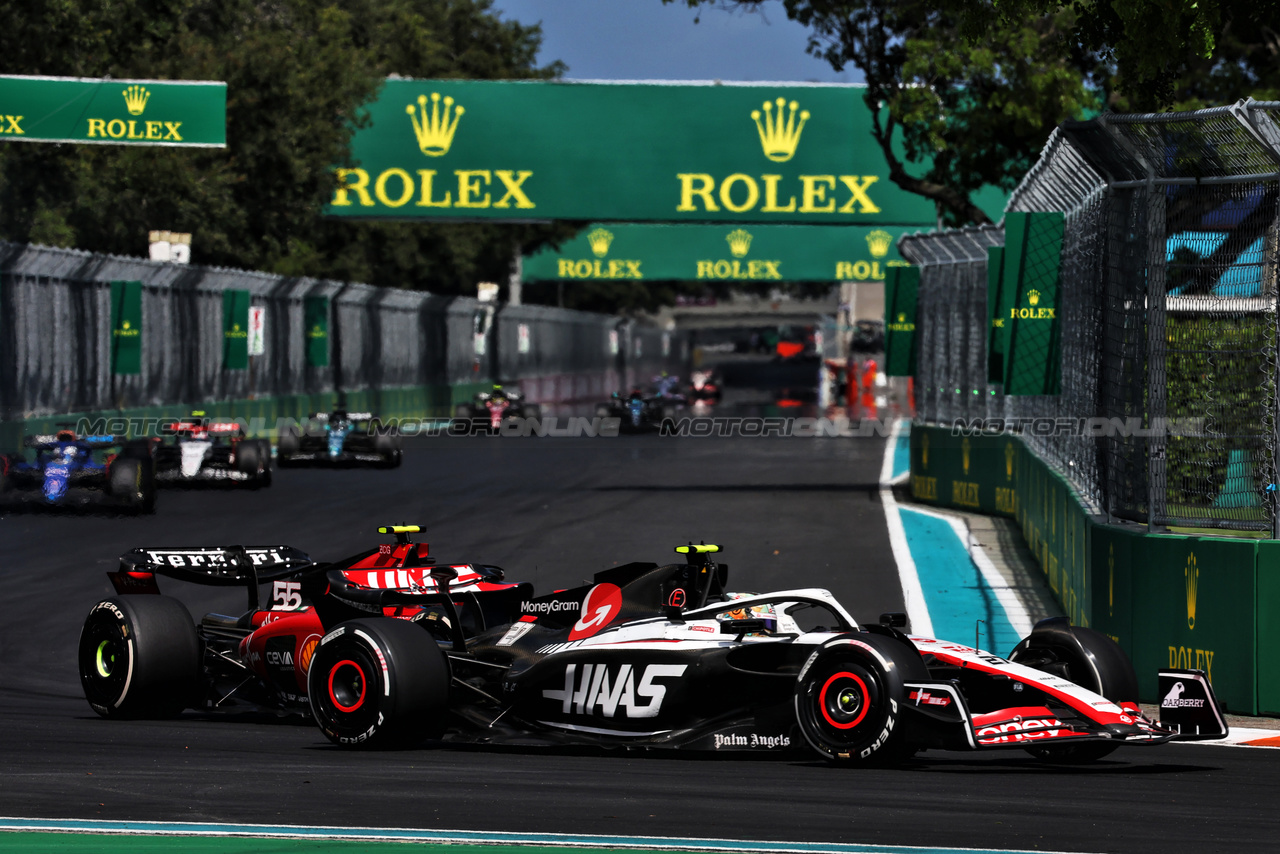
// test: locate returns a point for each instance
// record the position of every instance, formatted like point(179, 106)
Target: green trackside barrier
point(1194, 606)
point(1268, 626)
point(976, 473)
point(1205, 602)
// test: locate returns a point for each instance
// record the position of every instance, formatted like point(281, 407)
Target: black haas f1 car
point(142, 656)
point(340, 438)
point(196, 449)
point(661, 657)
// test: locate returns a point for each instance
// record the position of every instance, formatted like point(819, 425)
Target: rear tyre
point(132, 482)
point(249, 461)
point(288, 443)
point(1102, 667)
point(379, 683)
point(388, 447)
point(139, 657)
point(848, 705)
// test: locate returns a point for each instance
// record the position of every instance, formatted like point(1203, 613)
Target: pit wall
point(1211, 603)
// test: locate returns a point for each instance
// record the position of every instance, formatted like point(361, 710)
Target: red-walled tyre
point(379, 683)
point(849, 700)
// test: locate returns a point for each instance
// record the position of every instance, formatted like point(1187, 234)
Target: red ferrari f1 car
point(141, 654)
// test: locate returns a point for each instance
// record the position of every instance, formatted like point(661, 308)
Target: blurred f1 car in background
point(196, 449)
point(662, 657)
point(339, 438)
point(68, 469)
point(637, 410)
point(141, 655)
point(498, 404)
point(704, 385)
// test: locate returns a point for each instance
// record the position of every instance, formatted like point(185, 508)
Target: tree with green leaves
point(298, 72)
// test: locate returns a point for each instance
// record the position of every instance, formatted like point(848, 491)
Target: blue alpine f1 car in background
point(65, 469)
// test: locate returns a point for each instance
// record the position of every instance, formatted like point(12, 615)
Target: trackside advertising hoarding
point(764, 253)
point(185, 113)
point(543, 150)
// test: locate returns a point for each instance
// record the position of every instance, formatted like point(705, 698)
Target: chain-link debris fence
point(57, 338)
point(1153, 389)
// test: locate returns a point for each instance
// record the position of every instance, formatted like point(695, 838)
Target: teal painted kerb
point(234, 838)
point(955, 592)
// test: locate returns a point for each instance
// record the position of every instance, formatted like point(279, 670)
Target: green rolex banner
point(995, 343)
point(794, 253)
point(183, 113)
point(900, 287)
point(315, 315)
point(235, 330)
point(1029, 303)
point(625, 152)
point(126, 327)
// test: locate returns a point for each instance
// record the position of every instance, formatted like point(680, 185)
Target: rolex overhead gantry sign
point(187, 113)
point(543, 150)
point(761, 253)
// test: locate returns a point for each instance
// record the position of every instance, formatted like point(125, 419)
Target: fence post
point(1156, 355)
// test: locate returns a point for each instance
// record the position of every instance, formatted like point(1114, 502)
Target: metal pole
point(516, 277)
point(1156, 356)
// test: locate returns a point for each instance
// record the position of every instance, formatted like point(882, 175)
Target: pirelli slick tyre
point(251, 460)
point(139, 657)
point(388, 447)
point(132, 482)
point(288, 443)
point(1091, 660)
point(849, 700)
point(379, 683)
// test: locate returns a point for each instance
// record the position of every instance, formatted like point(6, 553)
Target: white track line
point(912, 593)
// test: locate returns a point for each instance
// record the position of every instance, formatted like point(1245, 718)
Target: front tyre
point(379, 683)
point(1091, 660)
point(139, 657)
point(848, 705)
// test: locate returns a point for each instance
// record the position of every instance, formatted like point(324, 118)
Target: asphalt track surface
point(790, 512)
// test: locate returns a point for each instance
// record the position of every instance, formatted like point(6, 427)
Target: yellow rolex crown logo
point(964, 454)
point(600, 240)
point(1033, 296)
point(902, 318)
point(1008, 461)
point(879, 242)
point(739, 242)
point(135, 99)
point(779, 135)
point(125, 325)
point(1192, 576)
point(434, 129)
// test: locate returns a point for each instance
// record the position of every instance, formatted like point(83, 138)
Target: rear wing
point(224, 566)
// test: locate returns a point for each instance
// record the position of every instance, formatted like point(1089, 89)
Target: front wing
point(938, 716)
